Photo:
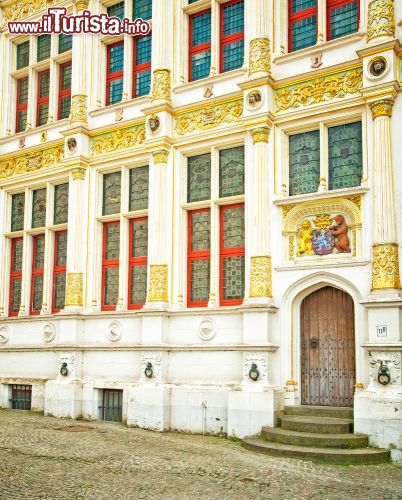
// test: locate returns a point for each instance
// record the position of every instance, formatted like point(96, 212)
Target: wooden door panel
point(327, 348)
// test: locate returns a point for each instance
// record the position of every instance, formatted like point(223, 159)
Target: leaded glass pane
point(16, 287)
point(233, 277)
point(21, 120)
point(343, 20)
point(200, 65)
point(345, 155)
point(115, 90)
point(143, 49)
point(201, 29)
point(23, 90)
point(304, 33)
point(44, 82)
point(200, 271)
point(112, 242)
point(64, 107)
point(39, 251)
point(116, 10)
point(61, 249)
point(233, 55)
point(233, 227)
point(17, 211)
point(143, 83)
point(231, 171)
point(139, 284)
point(111, 286)
point(304, 162)
point(299, 5)
point(22, 55)
point(142, 9)
point(43, 114)
point(140, 239)
point(200, 231)
point(37, 293)
point(59, 291)
point(65, 43)
point(65, 76)
point(17, 255)
point(199, 177)
point(43, 47)
point(233, 18)
point(39, 208)
point(111, 193)
point(116, 58)
point(139, 181)
point(60, 204)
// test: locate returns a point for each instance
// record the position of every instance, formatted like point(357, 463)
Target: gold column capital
point(259, 56)
point(261, 276)
point(81, 4)
point(381, 18)
point(78, 173)
point(161, 86)
point(382, 107)
point(79, 108)
point(161, 155)
point(74, 289)
point(260, 134)
point(158, 283)
point(385, 266)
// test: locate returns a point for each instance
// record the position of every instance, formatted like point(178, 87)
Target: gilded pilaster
point(381, 19)
point(161, 85)
point(259, 56)
point(158, 283)
point(74, 290)
point(385, 266)
point(78, 109)
point(260, 277)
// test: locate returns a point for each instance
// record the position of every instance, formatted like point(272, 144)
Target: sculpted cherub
point(305, 236)
point(342, 243)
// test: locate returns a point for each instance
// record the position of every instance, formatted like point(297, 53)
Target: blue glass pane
point(143, 83)
point(115, 90)
point(304, 33)
point(116, 55)
point(201, 29)
point(143, 49)
point(233, 18)
point(343, 20)
point(304, 162)
point(299, 5)
point(233, 54)
point(142, 8)
point(116, 10)
point(200, 65)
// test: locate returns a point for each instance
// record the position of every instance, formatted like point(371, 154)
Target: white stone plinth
point(63, 398)
point(149, 407)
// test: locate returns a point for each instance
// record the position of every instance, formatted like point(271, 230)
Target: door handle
point(314, 342)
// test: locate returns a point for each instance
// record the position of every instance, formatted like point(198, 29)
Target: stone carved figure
point(342, 243)
point(305, 236)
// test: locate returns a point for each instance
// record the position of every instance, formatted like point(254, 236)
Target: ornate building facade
point(201, 225)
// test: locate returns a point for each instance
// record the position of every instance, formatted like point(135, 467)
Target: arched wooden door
point(327, 348)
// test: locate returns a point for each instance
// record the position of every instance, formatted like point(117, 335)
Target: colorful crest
point(323, 242)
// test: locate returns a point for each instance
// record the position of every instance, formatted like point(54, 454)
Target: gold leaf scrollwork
point(24, 8)
point(319, 90)
point(158, 283)
point(261, 276)
point(260, 134)
point(259, 58)
point(161, 156)
point(78, 173)
point(118, 140)
point(161, 86)
point(356, 199)
point(81, 4)
point(31, 162)
point(79, 108)
point(323, 221)
point(291, 248)
point(74, 289)
point(209, 118)
point(383, 107)
point(385, 266)
point(286, 209)
point(381, 18)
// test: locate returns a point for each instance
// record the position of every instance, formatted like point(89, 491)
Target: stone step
point(342, 441)
point(326, 455)
point(321, 425)
point(320, 411)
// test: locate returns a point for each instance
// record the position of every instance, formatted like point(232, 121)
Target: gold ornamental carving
point(322, 221)
point(385, 266)
point(383, 107)
point(286, 209)
point(209, 117)
point(118, 140)
point(158, 283)
point(79, 108)
point(319, 90)
point(161, 155)
point(261, 276)
point(22, 9)
point(31, 162)
point(161, 86)
point(74, 289)
point(356, 199)
point(81, 4)
point(260, 134)
point(259, 56)
point(78, 173)
point(291, 247)
point(381, 18)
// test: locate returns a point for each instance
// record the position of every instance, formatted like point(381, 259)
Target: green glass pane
point(37, 293)
point(112, 241)
point(345, 157)
point(61, 249)
point(39, 208)
point(111, 193)
point(17, 246)
point(39, 251)
point(22, 55)
point(60, 204)
point(16, 286)
point(59, 291)
point(199, 177)
point(304, 162)
point(200, 231)
point(233, 227)
point(140, 239)
point(139, 182)
point(231, 171)
point(138, 284)
point(43, 47)
point(233, 278)
point(200, 271)
point(17, 211)
point(111, 286)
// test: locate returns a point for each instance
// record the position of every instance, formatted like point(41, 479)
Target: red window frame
point(111, 75)
point(56, 269)
point(107, 264)
point(303, 14)
point(225, 40)
point(193, 256)
point(227, 252)
point(36, 271)
point(134, 261)
point(333, 4)
point(138, 68)
point(20, 106)
point(13, 276)
point(41, 101)
point(196, 49)
point(62, 92)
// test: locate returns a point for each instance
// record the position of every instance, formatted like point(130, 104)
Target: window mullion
point(215, 33)
point(324, 174)
point(214, 256)
point(321, 22)
point(123, 258)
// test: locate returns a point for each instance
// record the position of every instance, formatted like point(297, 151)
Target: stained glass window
point(59, 270)
point(231, 171)
point(116, 10)
point(138, 196)
point(200, 230)
point(138, 262)
point(114, 74)
point(345, 155)
point(142, 65)
point(65, 43)
point(112, 241)
point(43, 47)
point(233, 227)
point(140, 238)
point(142, 9)
point(110, 264)
point(15, 276)
point(200, 45)
point(38, 261)
point(199, 177)
point(232, 35)
point(15, 296)
point(60, 204)
point(111, 286)
point(111, 193)
point(17, 211)
point(43, 97)
point(39, 208)
point(22, 55)
point(65, 90)
point(342, 18)
point(304, 162)
point(39, 251)
point(138, 284)
point(303, 24)
point(22, 104)
point(199, 257)
point(16, 258)
point(59, 292)
point(61, 248)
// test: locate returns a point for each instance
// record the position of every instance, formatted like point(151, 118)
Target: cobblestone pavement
point(43, 457)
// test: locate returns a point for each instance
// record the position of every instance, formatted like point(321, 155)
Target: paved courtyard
point(43, 457)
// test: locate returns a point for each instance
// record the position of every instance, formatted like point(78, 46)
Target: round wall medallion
point(207, 329)
point(72, 144)
point(114, 331)
point(254, 99)
point(377, 66)
point(4, 335)
point(154, 123)
point(49, 332)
